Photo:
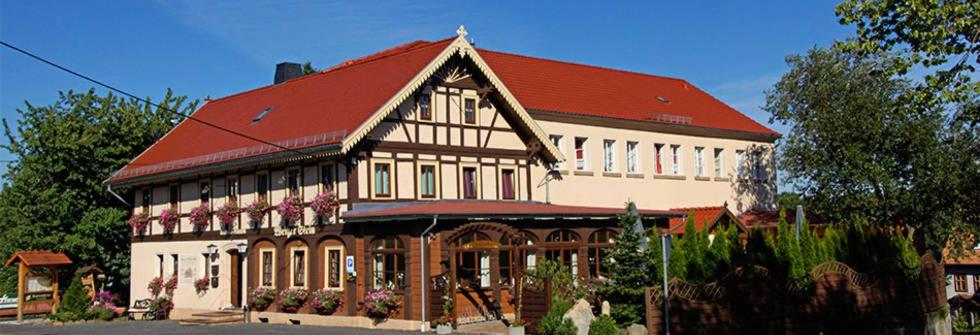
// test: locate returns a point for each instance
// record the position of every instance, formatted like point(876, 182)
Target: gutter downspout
point(422, 279)
point(108, 187)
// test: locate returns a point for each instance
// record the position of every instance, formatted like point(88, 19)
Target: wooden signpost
point(37, 273)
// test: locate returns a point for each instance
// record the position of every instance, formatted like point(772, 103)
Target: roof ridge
point(335, 68)
point(585, 65)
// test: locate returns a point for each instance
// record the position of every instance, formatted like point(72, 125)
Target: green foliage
point(908, 258)
point(603, 325)
point(555, 323)
point(719, 260)
point(758, 251)
point(789, 254)
point(53, 196)
point(562, 281)
point(630, 275)
point(736, 251)
point(102, 313)
point(75, 303)
point(309, 69)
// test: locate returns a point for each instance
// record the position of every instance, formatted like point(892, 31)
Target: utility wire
point(127, 94)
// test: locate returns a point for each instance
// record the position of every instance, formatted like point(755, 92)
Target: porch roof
point(490, 209)
point(39, 258)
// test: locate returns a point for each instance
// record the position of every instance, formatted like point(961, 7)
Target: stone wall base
point(333, 321)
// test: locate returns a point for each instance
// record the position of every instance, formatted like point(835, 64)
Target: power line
point(127, 94)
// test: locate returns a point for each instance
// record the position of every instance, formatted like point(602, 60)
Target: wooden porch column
point(54, 290)
point(21, 282)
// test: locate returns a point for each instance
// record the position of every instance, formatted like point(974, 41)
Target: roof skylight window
point(261, 115)
point(663, 99)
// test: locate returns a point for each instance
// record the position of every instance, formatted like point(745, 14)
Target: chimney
point(286, 71)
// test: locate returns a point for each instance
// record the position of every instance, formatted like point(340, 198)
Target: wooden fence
point(838, 300)
point(537, 301)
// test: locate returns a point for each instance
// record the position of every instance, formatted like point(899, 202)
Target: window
point(599, 244)
point(562, 246)
point(580, 154)
point(267, 267)
point(160, 262)
point(658, 159)
point(556, 140)
point(675, 160)
point(292, 182)
point(146, 199)
point(334, 267)
point(425, 113)
point(472, 266)
point(382, 179)
point(205, 192)
point(427, 181)
point(959, 283)
point(174, 196)
point(719, 162)
point(758, 170)
point(740, 164)
point(262, 186)
point(298, 265)
point(326, 178)
point(507, 184)
point(469, 182)
point(469, 111)
point(232, 190)
point(210, 270)
point(699, 161)
point(389, 263)
point(173, 260)
point(976, 283)
point(609, 155)
point(632, 160)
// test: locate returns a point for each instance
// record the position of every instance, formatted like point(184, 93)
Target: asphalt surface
point(171, 327)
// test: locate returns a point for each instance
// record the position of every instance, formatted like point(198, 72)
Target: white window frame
point(435, 179)
point(306, 266)
point(583, 163)
point(374, 181)
point(719, 162)
point(699, 161)
point(326, 267)
point(740, 164)
point(632, 157)
point(558, 141)
point(658, 159)
point(675, 159)
point(608, 155)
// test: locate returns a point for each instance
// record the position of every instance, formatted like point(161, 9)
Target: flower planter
point(444, 329)
point(517, 330)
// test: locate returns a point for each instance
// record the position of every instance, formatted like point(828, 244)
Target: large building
point(482, 161)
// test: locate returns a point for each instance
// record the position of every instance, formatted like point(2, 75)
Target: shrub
point(102, 313)
point(555, 323)
point(160, 307)
point(75, 301)
point(262, 297)
point(629, 275)
point(603, 325)
point(382, 304)
point(292, 299)
point(562, 281)
point(326, 302)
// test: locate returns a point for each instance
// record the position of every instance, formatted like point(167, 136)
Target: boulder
point(581, 315)
point(605, 307)
point(636, 329)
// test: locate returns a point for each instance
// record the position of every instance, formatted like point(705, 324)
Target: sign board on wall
point(8, 301)
point(350, 264)
point(188, 269)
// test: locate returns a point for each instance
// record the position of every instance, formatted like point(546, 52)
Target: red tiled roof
point(702, 216)
point(548, 85)
point(489, 208)
point(39, 258)
point(321, 109)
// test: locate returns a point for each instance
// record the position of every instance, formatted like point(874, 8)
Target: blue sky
point(734, 51)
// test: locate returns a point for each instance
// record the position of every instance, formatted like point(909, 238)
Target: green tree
point(788, 251)
point(629, 277)
point(74, 305)
point(719, 255)
point(859, 150)
point(309, 69)
point(53, 197)
point(736, 251)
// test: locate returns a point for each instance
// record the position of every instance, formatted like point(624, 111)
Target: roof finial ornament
point(461, 31)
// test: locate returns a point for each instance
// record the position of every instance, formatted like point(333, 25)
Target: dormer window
point(261, 115)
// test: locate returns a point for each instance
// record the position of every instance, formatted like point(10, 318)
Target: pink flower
point(324, 204)
point(168, 219)
point(290, 208)
point(200, 216)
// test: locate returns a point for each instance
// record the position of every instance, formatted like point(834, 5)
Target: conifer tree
point(629, 277)
point(736, 251)
point(719, 253)
point(75, 302)
point(759, 250)
point(788, 249)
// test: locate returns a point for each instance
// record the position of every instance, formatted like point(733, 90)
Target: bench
point(140, 307)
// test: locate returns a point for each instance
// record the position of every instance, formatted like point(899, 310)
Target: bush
point(102, 313)
point(555, 323)
point(75, 303)
point(603, 325)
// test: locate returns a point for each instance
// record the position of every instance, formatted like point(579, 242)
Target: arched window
point(389, 263)
point(599, 243)
point(472, 260)
point(562, 246)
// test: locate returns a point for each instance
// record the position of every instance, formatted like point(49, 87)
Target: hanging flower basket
point(200, 216)
point(227, 214)
point(382, 304)
point(262, 297)
point(326, 302)
point(139, 222)
point(155, 286)
point(170, 286)
point(324, 205)
point(168, 219)
point(291, 299)
point(201, 285)
point(290, 209)
point(256, 211)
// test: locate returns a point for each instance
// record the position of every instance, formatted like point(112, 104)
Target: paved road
point(171, 327)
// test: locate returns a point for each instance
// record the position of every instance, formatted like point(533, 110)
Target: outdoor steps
point(214, 318)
